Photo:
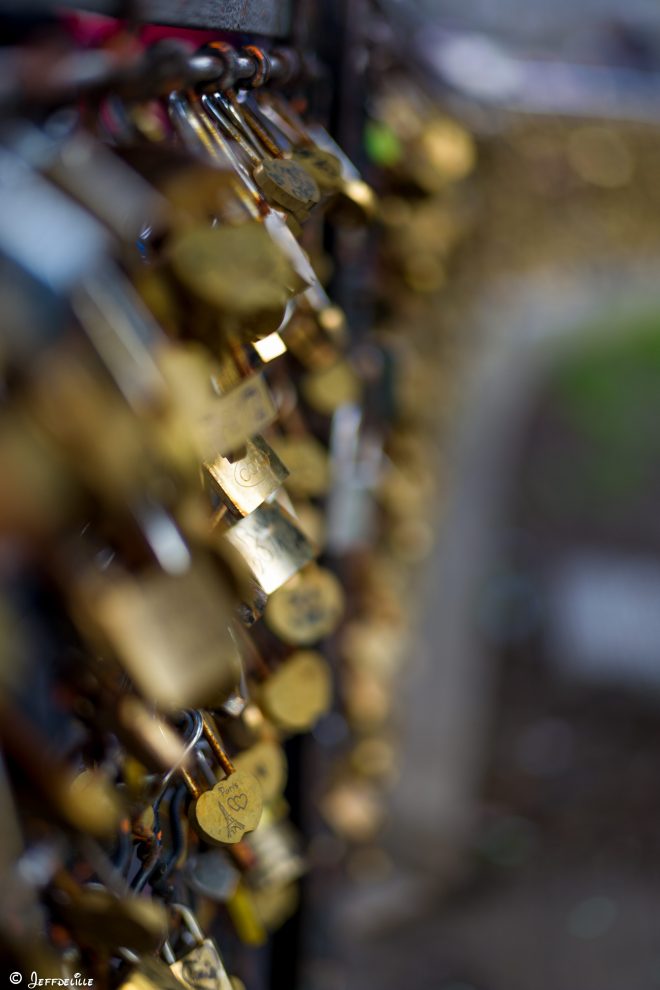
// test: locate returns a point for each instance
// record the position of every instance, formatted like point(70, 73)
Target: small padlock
point(307, 608)
point(243, 483)
point(270, 545)
point(298, 692)
point(211, 873)
point(201, 967)
point(307, 462)
point(265, 760)
point(148, 973)
point(233, 806)
point(285, 184)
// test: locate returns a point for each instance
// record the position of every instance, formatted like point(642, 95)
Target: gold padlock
point(233, 806)
point(170, 632)
point(201, 967)
point(270, 544)
point(307, 608)
point(244, 482)
point(298, 692)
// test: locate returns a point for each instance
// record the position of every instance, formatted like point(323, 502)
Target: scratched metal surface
point(270, 18)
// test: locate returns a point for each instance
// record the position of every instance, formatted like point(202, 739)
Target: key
point(233, 806)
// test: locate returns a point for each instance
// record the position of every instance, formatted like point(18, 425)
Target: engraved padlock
point(200, 967)
point(225, 812)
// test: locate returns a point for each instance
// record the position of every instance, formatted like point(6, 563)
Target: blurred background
point(476, 806)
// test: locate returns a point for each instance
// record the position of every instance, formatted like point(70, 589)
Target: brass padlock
point(284, 183)
point(217, 407)
point(99, 919)
point(233, 806)
point(244, 482)
point(149, 973)
point(201, 967)
point(170, 632)
point(265, 760)
point(270, 544)
point(307, 608)
point(298, 692)
point(239, 272)
point(307, 462)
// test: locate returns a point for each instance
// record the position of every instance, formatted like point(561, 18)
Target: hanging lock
point(307, 608)
point(298, 692)
point(212, 403)
point(201, 967)
point(269, 545)
point(205, 136)
point(233, 806)
point(354, 201)
point(283, 132)
point(284, 183)
point(244, 483)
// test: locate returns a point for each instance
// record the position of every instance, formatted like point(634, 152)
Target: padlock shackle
point(190, 922)
point(212, 737)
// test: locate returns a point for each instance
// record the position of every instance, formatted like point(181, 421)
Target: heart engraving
point(238, 802)
point(229, 809)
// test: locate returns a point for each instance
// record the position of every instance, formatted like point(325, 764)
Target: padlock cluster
point(210, 519)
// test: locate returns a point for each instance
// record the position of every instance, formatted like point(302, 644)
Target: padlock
point(239, 272)
point(201, 967)
point(244, 482)
point(284, 183)
point(170, 632)
point(307, 608)
point(148, 973)
point(276, 845)
point(197, 129)
point(316, 338)
point(283, 132)
point(270, 545)
point(233, 806)
point(298, 692)
point(326, 389)
point(102, 920)
point(218, 407)
point(307, 462)
point(266, 761)
point(211, 873)
point(353, 201)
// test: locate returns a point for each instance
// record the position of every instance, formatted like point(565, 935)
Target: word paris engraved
point(231, 808)
point(233, 805)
